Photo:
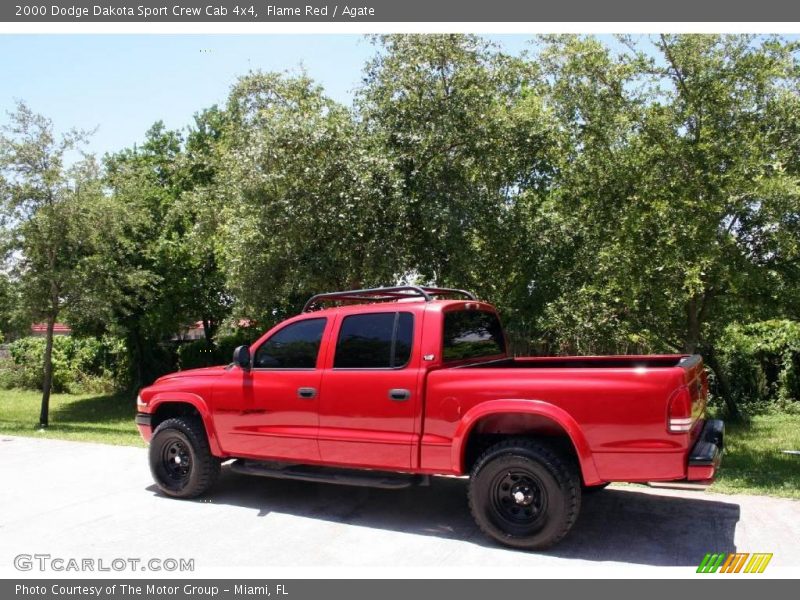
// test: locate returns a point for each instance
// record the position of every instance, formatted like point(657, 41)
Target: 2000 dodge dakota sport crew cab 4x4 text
point(390, 386)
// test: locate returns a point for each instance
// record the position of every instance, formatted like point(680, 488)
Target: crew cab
point(390, 386)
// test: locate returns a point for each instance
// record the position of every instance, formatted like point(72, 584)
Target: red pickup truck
point(389, 386)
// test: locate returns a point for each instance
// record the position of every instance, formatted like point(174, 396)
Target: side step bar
point(357, 477)
point(680, 484)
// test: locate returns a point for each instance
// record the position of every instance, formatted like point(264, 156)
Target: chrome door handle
point(306, 393)
point(399, 394)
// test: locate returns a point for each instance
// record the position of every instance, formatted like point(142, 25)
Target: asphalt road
point(80, 499)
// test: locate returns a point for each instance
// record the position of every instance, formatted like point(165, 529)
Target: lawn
point(753, 461)
point(86, 418)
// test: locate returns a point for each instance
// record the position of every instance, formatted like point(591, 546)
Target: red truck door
point(370, 390)
point(271, 411)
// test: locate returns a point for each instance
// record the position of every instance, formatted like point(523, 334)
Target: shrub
point(10, 374)
point(79, 364)
point(762, 361)
point(197, 354)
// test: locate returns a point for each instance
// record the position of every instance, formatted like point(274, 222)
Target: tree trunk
point(208, 331)
point(136, 347)
point(692, 327)
point(47, 383)
point(723, 385)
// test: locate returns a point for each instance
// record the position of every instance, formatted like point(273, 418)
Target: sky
point(122, 84)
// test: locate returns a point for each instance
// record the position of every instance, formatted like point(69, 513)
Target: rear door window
point(375, 341)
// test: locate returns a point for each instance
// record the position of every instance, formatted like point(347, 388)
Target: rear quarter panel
point(620, 415)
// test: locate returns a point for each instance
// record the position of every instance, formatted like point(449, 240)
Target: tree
point(10, 326)
point(168, 241)
point(211, 299)
point(678, 196)
point(55, 217)
point(452, 114)
point(304, 202)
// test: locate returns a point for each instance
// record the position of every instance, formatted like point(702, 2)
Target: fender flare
point(199, 404)
point(532, 407)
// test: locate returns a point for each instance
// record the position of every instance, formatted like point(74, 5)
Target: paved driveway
point(78, 499)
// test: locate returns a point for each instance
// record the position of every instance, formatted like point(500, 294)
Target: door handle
point(399, 394)
point(306, 393)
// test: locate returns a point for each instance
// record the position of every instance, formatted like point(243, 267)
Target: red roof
point(57, 328)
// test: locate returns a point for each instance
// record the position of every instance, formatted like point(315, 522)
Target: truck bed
point(620, 402)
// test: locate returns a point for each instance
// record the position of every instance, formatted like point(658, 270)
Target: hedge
point(762, 361)
point(80, 365)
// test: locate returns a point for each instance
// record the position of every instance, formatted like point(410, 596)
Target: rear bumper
point(706, 454)
point(144, 423)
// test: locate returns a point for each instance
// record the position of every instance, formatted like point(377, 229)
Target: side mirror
point(241, 357)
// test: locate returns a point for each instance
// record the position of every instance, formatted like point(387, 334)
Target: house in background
point(191, 333)
point(40, 329)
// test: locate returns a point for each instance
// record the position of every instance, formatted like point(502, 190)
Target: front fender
point(532, 407)
point(198, 403)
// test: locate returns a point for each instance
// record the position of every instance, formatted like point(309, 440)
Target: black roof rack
point(385, 294)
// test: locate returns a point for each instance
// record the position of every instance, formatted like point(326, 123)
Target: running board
point(357, 477)
point(680, 485)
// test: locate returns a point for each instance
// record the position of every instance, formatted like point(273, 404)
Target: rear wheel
point(524, 494)
point(180, 458)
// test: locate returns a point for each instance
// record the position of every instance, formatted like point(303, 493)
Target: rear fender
point(532, 407)
point(199, 404)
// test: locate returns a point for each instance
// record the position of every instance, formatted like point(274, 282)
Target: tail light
point(679, 411)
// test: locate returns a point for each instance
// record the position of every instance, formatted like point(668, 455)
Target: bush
point(80, 365)
point(762, 361)
point(196, 354)
point(10, 374)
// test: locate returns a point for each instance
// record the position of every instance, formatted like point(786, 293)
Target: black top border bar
point(442, 11)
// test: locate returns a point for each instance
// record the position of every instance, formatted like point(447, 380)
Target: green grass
point(753, 462)
point(87, 418)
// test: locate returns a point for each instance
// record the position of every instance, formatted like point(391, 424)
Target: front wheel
point(180, 458)
point(524, 494)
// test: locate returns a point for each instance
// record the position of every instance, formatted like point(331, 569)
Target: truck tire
point(180, 458)
point(523, 494)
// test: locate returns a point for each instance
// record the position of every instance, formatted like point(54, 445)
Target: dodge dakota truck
point(390, 386)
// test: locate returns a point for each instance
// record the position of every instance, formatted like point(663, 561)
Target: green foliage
point(80, 365)
point(198, 353)
point(673, 187)
point(10, 323)
point(303, 203)
point(464, 130)
point(632, 197)
point(169, 242)
point(763, 363)
point(60, 231)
